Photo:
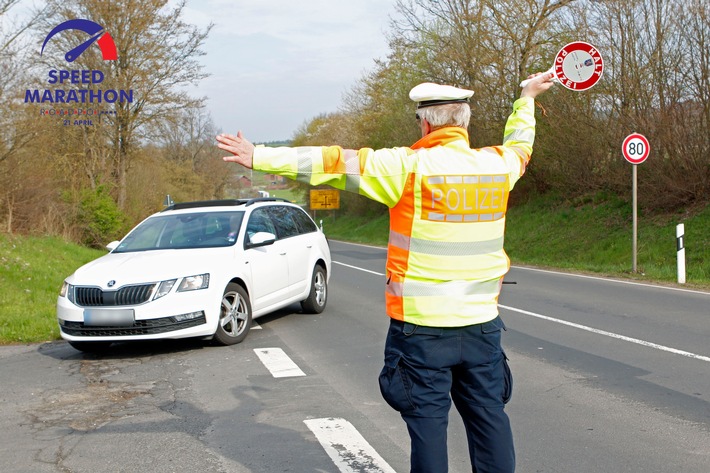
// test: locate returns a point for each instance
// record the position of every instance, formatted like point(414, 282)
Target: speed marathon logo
point(77, 99)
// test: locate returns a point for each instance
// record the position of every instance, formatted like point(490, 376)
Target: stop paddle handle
point(554, 78)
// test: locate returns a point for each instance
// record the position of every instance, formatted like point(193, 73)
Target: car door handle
point(283, 254)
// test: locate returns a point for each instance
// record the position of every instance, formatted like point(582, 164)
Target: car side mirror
point(261, 239)
point(113, 245)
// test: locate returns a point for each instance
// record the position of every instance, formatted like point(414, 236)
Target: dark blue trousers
point(428, 367)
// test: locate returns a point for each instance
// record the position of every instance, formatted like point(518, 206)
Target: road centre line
point(346, 447)
point(278, 363)
point(610, 334)
point(584, 327)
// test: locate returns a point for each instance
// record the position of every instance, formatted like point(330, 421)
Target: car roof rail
point(205, 203)
point(265, 199)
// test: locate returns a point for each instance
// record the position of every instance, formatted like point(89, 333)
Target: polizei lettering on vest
point(468, 199)
point(464, 198)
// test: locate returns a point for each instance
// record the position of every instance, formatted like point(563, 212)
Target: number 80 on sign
point(636, 148)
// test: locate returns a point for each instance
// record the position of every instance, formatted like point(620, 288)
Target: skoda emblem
point(111, 283)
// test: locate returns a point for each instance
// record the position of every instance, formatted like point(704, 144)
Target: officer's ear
point(426, 127)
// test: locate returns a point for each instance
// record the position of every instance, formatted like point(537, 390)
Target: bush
point(99, 218)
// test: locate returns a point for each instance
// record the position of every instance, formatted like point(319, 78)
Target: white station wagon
point(198, 269)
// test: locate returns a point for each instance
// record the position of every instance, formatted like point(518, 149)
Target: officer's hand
point(539, 83)
point(241, 149)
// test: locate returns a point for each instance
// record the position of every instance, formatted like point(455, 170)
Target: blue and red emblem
point(102, 38)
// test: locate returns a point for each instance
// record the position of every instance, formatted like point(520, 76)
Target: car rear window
point(305, 224)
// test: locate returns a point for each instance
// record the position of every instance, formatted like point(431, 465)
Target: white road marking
point(655, 286)
point(346, 447)
point(610, 334)
point(255, 326)
point(359, 269)
point(584, 327)
point(278, 362)
point(619, 281)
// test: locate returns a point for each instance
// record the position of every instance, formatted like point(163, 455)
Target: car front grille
point(139, 327)
point(128, 295)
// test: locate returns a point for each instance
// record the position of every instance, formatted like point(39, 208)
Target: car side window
point(305, 224)
point(259, 221)
point(285, 224)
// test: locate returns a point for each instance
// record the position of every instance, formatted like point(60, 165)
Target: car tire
point(91, 347)
point(318, 296)
point(234, 316)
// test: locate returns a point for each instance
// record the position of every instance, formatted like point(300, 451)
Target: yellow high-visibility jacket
point(445, 258)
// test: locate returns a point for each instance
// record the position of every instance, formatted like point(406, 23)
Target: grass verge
point(32, 270)
point(592, 235)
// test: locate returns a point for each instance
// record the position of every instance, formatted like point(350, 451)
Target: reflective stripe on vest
point(444, 289)
point(304, 163)
point(445, 248)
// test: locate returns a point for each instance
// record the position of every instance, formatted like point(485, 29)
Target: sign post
point(635, 150)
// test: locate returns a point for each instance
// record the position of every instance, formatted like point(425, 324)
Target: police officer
point(445, 263)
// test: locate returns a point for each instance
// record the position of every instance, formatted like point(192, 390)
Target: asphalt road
point(609, 377)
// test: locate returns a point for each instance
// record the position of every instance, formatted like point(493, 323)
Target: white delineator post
point(680, 246)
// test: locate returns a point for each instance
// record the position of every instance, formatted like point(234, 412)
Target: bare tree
point(186, 135)
point(190, 158)
point(16, 129)
point(656, 54)
point(157, 56)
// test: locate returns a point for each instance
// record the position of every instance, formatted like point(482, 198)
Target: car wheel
point(234, 316)
point(317, 298)
point(91, 347)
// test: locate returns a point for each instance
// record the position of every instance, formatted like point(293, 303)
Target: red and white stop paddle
point(578, 66)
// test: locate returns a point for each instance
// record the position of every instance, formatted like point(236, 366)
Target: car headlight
point(67, 291)
point(164, 288)
point(193, 283)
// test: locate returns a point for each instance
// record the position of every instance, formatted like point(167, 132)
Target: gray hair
point(451, 114)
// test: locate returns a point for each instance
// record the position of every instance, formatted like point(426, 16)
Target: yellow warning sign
point(325, 199)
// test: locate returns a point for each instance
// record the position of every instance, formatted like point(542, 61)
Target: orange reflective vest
point(445, 257)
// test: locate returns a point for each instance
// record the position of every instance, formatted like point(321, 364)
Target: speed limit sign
point(635, 148)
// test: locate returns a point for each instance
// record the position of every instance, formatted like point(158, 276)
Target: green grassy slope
point(594, 235)
point(31, 273)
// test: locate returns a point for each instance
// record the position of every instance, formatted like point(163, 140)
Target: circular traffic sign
point(578, 66)
point(635, 148)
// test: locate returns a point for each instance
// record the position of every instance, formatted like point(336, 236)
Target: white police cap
point(429, 94)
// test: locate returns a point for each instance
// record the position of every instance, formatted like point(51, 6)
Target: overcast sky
point(276, 64)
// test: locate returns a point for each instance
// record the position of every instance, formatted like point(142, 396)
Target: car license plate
point(108, 317)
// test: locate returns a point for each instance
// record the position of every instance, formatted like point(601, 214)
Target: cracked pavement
point(65, 411)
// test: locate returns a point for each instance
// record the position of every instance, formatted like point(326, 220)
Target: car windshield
point(180, 231)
